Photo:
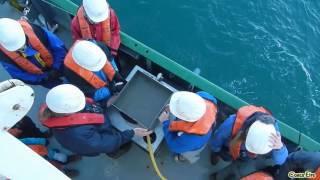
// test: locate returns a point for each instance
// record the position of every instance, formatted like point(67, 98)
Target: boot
point(71, 173)
point(122, 150)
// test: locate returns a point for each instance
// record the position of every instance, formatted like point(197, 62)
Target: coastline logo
point(306, 174)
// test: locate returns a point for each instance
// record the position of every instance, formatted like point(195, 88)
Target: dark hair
point(266, 119)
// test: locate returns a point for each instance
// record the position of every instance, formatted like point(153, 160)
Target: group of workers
point(83, 79)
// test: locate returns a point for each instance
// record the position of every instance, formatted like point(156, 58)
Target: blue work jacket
point(52, 43)
point(90, 140)
point(222, 137)
point(187, 142)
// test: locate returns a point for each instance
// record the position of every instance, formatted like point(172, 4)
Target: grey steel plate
point(143, 99)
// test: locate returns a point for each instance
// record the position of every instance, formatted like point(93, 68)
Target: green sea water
point(265, 52)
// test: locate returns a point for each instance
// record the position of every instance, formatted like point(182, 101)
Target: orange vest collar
point(242, 115)
point(85, 28)
point(71, 120)
point(87, 75)
point(200, 127)
point(317, 172)
point(258, 175)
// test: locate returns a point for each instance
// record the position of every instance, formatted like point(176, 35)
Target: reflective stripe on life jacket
point(36, 44)
point(258, 176)
point(71, 120)
point(39, 149)
point(85, 28)
point(87, 75)
point(242, 115)
point(200, 127)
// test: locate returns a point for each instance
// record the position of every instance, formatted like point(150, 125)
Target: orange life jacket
point(34, 41)
point(242, 115)
point(15, 132)
point(71, 120)
point(87, 75)
point(85, 28)
point(39, 149)
point(317, 172)
point(200, 127)
point(258, 176)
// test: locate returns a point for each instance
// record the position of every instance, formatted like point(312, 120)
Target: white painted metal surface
point(121, 124)
point(15, 102)
point(18, 162)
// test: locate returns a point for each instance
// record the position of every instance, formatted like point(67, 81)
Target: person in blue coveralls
point(88, 66)
point(189, 132)
point(31, 53)
point(251, 139)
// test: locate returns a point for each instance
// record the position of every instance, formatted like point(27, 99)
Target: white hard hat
point(88, 55)
point(258, 137)
point(96, 10)
point(187, 106)
point(12, 36)
point(16, 100)
point(65, 98)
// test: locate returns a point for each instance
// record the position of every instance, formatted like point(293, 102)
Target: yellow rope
point(154, 164)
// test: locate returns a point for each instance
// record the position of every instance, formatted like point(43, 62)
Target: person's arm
point(108, 141)
point(57, 49)
point(115, 33)
point(173, 141)
point(18, 73)
point(101, 94)
point(207, 96)
point(279, 156)
point(222, 134)
point(34, 141)
point(75, 29)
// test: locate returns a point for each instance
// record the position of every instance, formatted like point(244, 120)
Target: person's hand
point(164, 115)
point(275, 140)
point(141, 132)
